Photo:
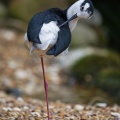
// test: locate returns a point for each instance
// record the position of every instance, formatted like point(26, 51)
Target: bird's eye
point(82, 8)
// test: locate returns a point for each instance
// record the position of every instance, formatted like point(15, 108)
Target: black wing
point(37, 22)
point(34, 28)
point(64, 35)
point(63, 42)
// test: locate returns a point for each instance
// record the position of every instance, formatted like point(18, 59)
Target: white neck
point(72, 11)
point(75, 8)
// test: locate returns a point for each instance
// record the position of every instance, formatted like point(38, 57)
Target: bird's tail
point(29, 44)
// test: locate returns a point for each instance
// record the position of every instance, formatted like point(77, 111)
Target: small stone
point(36, 114)
point(8, 35)
point(115, 107)
point(2, 100)
point(116, 115)
point(12, 64)
point(72, 117)
point(101, 105)
point(78, 107)
point(68, 107)
point(51, 106)
point(7, 109)
point(16, 109)
point(45, 115)
point(21, 74)
point(14, 114)
point(12, 118)
point(20, 118)
point(90, 113)
point(20, 99)
point(31, 118)
point(25, 107)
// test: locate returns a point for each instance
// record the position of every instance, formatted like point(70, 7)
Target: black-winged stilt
point(49, 32)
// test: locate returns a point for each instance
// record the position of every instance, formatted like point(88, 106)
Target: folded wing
point(63, 42)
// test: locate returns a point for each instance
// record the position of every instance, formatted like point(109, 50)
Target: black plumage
point(64, 35)
point(64, 39)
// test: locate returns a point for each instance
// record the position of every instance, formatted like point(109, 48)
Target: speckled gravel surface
point(33, 109)
point(19, 70)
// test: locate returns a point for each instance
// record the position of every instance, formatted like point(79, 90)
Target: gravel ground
point(18, 70)
point(12, 108)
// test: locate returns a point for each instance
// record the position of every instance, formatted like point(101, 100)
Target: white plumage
point(48, 35)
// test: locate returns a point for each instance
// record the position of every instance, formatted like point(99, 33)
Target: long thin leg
point(46, 87)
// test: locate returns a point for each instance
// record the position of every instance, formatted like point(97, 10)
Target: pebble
point(101, 105)
point(35, 114)
point(72, 117)
point(51, 106)
point(78, 107)
point(25, 107)
point(2, 100)
point(12, 64)
point(116, 115)
point(14, 114)
point(8, 35)
point(16, 109)
point(115, 107)
point(12, 118)
point(7, 109)
point(21, 74)
point(31, 118)
point(20, 99)
point(68, 107)
point(45, 115)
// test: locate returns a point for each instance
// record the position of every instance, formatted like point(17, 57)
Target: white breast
point(48, 35)
point(72, 11)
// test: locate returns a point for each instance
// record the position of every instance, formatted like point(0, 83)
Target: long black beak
point(73, 17)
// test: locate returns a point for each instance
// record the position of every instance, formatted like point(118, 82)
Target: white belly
point(48, 35)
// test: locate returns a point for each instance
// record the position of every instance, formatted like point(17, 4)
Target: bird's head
point(84, 9)
point(80, 9)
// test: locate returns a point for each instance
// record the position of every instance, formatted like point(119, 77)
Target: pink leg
point(46, 87)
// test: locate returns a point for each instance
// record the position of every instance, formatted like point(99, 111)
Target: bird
point(49, 32)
